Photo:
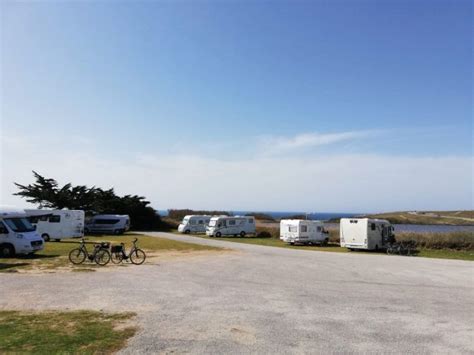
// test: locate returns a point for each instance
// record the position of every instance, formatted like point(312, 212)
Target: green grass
point(334, 247)
point(77, 332)
point(55, 254)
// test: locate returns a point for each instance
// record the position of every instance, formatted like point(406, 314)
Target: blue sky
point(200, 91)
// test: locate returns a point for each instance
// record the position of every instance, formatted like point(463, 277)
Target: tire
point(218, 234)
point(102, 257)
point(57, 240)
point(7, 251)
point(77, 256)
point(242, 234)
point(325, 242)
point(117, 231)
point(45, 237)
point(187, 231)
point(137, 257)
point(116, 258)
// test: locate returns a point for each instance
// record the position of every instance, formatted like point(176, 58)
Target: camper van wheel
point(57, 240)
point(325, 242)
point(117, 231)
point(242, 234)
point(45, 237)
point(187, 231)
point(376, 247)
point(7, 250)
point(218, 234)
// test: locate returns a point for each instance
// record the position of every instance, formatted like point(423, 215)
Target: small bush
point(264, 234)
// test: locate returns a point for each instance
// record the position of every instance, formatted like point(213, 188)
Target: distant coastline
point(450, 218)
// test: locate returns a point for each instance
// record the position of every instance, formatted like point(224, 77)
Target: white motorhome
point(17, 235)
point(365, 233)
point(226, 225)
point(108, 223)
point(303, 231)
point(57, 224)
point(194, 224)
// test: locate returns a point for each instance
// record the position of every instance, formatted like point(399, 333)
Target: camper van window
point(54, 219)
point(304, 229)
point(212, 223)
point(192, 222)
point(33, 219)
point(372, 226)
point(232, 222)
point(19, 225)
point(3, 229)
point(43, 218)
point(106, 221)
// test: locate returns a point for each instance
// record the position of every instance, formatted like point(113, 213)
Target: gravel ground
point(272, 300)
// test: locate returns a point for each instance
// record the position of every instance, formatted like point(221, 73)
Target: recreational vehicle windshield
point(17, 235)
point(225, 225)
point(365, 233)
point(57, 224)
point(108, 223)
point(194, 224)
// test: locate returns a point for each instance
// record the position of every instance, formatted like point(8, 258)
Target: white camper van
point(303, 231)
point(225, 225)
point(108, 223)
point(365, 233)
point(57, 224)
point(17, 235)
point(194, 224)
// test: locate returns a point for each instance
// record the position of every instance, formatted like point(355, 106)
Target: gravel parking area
point(272, 300)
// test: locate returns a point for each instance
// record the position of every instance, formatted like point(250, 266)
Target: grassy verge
point(425, 244)
point(55, 254)
point(84, 332)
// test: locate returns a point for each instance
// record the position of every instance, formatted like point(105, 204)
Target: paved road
point(273, 300)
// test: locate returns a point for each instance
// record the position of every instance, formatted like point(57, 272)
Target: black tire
point(117, 231)
point(7, 251)
point(325, 242)
point(57, 240)
point(77, 256)
point(187, 231)
point(102, 257)
point(45, 237)
point(137, 257)
point(116, 258)
point(242, 234)
point(218, 234)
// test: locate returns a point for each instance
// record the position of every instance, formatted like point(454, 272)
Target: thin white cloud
point(279, 145)
point(342, 182)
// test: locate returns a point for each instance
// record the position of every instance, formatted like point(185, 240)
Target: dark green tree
point(46, 193)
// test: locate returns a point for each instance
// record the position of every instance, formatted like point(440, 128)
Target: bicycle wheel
point(116, 257)
point(102, 257)
point(77, 256)
point(137, 256)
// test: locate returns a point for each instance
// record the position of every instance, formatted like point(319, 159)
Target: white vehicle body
point(194, 224)
point(225, 225)
point(17, 235)
point(302, 231)
point(108, 223)
point(365, 233)
point(57, 224)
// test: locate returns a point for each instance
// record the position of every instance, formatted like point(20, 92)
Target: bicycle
point(402, 248)
point(136, 255)
point(100, 255)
